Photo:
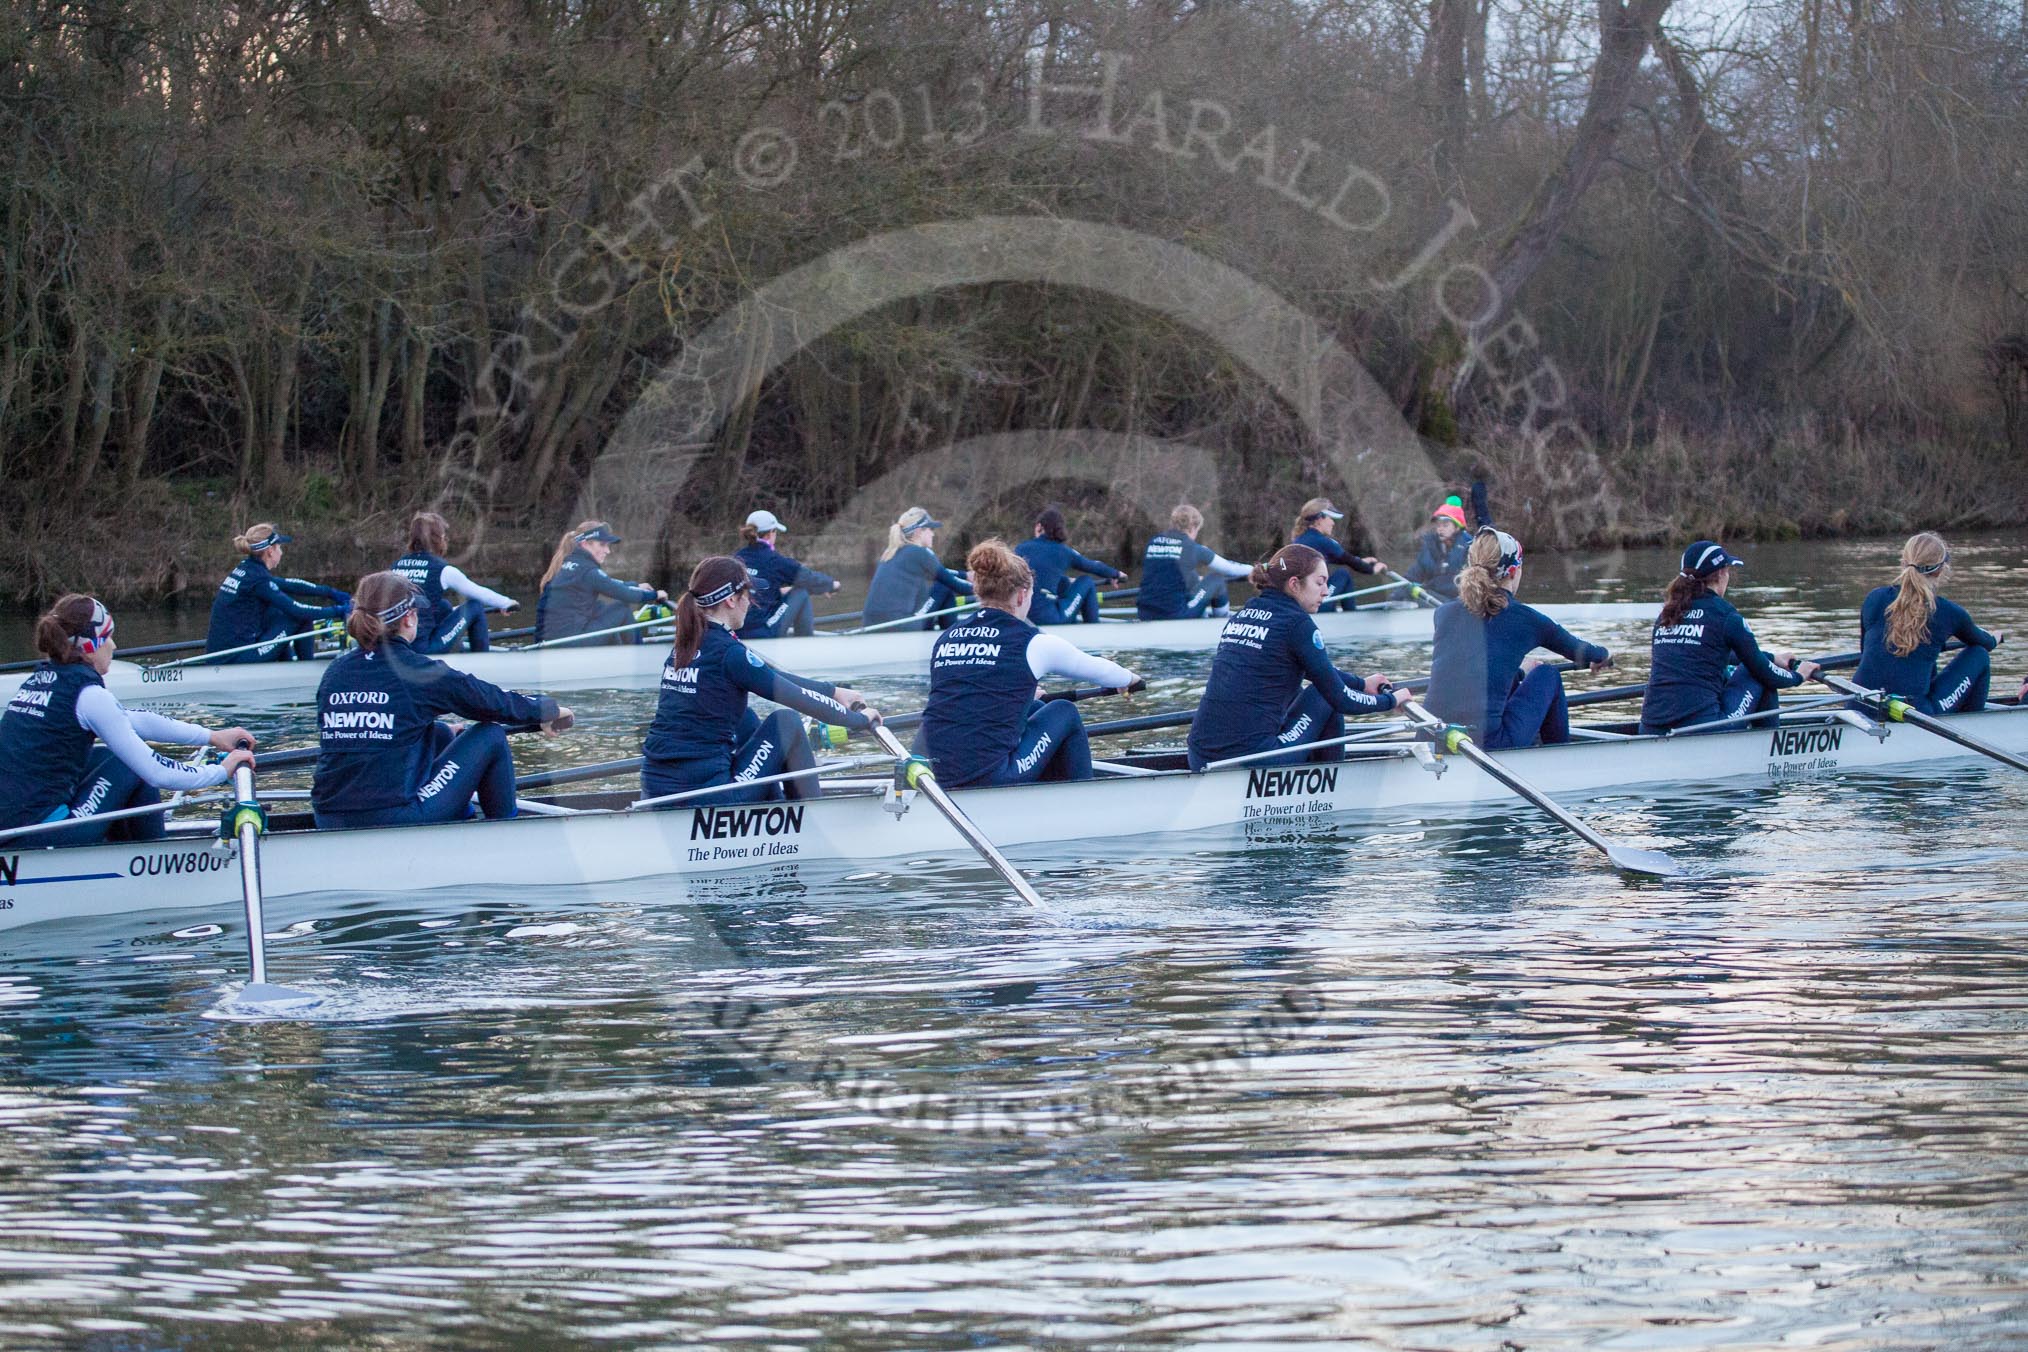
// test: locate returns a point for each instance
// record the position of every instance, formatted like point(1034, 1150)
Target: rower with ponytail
point(911, 579)
point(384, 757)
point(983, 723)
point(578, 597)
point(1480, 674)
point(704, 734)
point(48, 732)
point(441, 624)
point(1704, 663)
point(1903, 628)
point(255, 606)
point(1256, 699)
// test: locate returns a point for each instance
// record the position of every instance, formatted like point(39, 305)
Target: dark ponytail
point(1684, 592)
point(57, 632)
point(1287, 564)
point(712, 575)
point(375, 594)
point(1050, 519)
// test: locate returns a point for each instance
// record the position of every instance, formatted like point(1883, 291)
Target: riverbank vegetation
point(1762, 274)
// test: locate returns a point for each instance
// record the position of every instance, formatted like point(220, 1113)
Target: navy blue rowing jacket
point(43, 751)
point(1688, 662)
point(1436, 567)
point(1910, 676)
point(1475, 663)
point(1334, 553)
point(1051, 561)
point(902, 583)
point(701, 704)
point(571, 603)
point(980, 688)
point(250, 598)
point(376, 708)
point(1169, 572)
point(1264, 653)
point(771, 572)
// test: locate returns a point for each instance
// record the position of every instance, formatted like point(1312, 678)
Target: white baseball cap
point(765, 521)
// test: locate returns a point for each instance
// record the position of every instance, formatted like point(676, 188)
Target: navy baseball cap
point(1705, 557)
point(601, 534)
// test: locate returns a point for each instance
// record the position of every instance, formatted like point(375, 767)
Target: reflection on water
point(1418, 1083)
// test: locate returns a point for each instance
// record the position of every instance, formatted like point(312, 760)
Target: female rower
point(253, 606)
point(1442, 554)
point(1480, 674)
point(577, 595)
point(1059, 598)
point(782, 587)
point(1904, 626)
point(1316, 528)
point(1171, 588)
point(383, 759)
point(911, 580)
point(1255, 700)
point(1705, 664)
point(983, 723)
point(703, 733)
point(47, 731)
point(439, 624)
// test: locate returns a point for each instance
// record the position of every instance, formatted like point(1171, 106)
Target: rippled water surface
point(1432, 1085)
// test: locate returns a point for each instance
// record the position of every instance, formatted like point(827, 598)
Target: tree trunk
point(141, 395)
point(1625, 29)
point(104, 368)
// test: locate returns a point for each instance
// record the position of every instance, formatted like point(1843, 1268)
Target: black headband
point(718, 595)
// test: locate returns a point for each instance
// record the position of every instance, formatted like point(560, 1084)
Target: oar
point(1365, 591)
point(1898, 711)
point(276, 642)
point(911, 619)
point(1428, 602)
point(150, 650)
point(596, 633)
point(918, 775)
point(1626, 857)
point(249, 821)
point(713, 790)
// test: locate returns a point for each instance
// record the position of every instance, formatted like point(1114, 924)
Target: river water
point(1442, 1087)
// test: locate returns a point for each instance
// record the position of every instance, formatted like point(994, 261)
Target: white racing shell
point(1380, 781)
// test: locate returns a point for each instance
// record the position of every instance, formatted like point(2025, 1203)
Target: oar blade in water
point(265, 1000)
point(1649, 863)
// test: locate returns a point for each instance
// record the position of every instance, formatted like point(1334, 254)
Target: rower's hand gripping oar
point(1896, 710)
point(246, 821)
point(1626, 857)
point(918, 775)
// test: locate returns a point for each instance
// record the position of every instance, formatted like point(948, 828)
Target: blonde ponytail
point(1479, 580)
point(1925, 566)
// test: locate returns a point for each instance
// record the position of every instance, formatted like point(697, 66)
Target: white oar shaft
point(1375, 733)
point(710, 790)
point(169, 804)
point(1366, 591)
point(247, 826)
point(1622, 856)
point(595, 633)
point(261, 645)
point(924, 780)
point(910, 619)
point(1898, 711)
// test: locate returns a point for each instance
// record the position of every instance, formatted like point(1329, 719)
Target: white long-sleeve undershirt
point(1225, 567)
point(123, 729)
point(454, 579)
point(1049, 655)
